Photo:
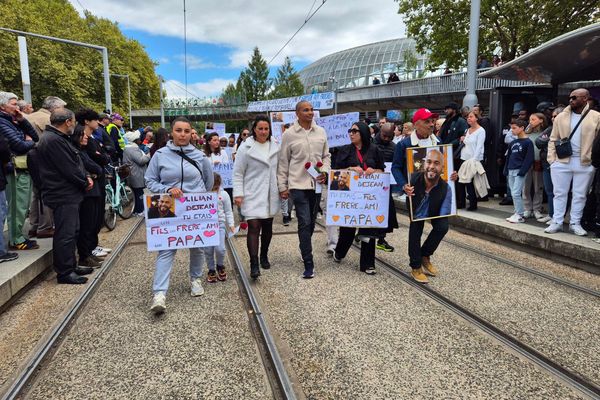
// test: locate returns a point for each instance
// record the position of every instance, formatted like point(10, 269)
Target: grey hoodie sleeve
point(207, 174)
point(152, 176)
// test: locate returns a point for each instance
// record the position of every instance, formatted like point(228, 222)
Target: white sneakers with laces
point(158, 303)
point(577, 229)
point(515, 219)
point(553, 228)
point(197, 289)
point(538, 215)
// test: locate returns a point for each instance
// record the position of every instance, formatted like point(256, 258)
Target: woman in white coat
point(255, 190)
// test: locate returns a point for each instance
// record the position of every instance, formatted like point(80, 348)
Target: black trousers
point(367, 250)
point(88, 231)
point(64, 241)
point(416, 251)
point(306, 212)
point(138, 196)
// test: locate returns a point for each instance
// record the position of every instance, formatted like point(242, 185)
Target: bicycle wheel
point(110, 216)
point(127, 202)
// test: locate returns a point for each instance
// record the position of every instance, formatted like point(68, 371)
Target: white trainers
point(99, 253)
point(538, 215)
point(577, 229)
point(104, 249)
point(515, 219)
point(553, 228)
point(544, 218)
point(197, 289)
point(527, 214)
point(158, 303)
point(549, 222)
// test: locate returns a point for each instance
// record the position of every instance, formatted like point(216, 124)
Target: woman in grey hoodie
point(178, 168)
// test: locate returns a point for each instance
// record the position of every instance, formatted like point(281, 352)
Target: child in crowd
point(518, 161)
point(225, 219)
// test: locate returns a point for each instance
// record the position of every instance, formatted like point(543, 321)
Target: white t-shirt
point(576, 139)
point(221, 158)
point(474, 145)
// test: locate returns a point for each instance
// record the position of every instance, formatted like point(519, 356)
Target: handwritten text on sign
point(337, 127)
point(226, 172)
point(188, 222)
point(357, 200)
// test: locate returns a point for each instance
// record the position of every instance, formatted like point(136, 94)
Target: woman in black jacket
point(363, 157)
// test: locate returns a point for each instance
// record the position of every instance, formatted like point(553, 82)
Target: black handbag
point(563, 146)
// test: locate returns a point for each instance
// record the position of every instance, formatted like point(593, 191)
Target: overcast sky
point(221, 34)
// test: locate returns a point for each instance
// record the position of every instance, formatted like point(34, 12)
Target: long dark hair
point(207, 150)
point(78, 132)
point(239, 139)
point(258, 119)
point(365, 136)
point(160, 140)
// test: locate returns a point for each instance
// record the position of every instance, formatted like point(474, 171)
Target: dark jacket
point(386, 149)
point(104, 140)
point(346, 158)
point(154, 213)
point(399, 164)
point(95, 171)
point(4, 159)
point(452, 129)
point(15, 132)
point(541, 142)
point(63, 175)
point(436, 195)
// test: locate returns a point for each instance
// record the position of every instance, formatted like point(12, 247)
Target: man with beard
point(162, 209)
point(429, 195)
point(453, 127)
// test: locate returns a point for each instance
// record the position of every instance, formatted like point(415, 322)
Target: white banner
point(388, 168)
point(218, 127)
point(280, 118)
point(226, 172)
point(337, 127)
point(319, 101)
point(355, 200)
point(188, 222)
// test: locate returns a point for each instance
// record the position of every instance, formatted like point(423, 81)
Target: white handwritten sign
point(357, 200)
point(218, 127)
point(388, 168)
point(319, 101)
point(337, 127)
point(188, 222)
point(280, 118)
point(226, 172)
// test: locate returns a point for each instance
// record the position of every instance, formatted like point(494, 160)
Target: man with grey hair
point(25, 107)
point(41, 220)
point(64, 182)
point(21, 137)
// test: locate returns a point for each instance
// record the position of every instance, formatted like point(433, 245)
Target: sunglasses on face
point(353, 131)
point(574, 97)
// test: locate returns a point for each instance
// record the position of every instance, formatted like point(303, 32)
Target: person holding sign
point(255, 190)
point(420, 263)
point(178, 168)
point(217, 154)
point(304, 142)
point(363, 157)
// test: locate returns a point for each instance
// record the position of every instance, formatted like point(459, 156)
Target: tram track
point(569, 377)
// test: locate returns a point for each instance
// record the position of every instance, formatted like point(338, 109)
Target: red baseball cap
point(423, 113)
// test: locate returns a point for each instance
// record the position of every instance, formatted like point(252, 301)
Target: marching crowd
point(55, 167)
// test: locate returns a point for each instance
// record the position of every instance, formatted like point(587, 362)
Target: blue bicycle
point(119, 201)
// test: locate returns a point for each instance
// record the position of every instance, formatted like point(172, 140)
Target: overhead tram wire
point(299, 29)
point(185, 49)
point(184, 89)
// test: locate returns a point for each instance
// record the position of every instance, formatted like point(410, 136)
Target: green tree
point(255, 78)
point(510, 28)
point(71, 72)
point(287, 82)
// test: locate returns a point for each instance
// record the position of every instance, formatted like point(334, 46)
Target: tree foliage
point(255, 78)
point(508, 27)
point(287, 82)
point(74, 73)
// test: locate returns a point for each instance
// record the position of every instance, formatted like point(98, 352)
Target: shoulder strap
point(188, 159)
point(577, 126)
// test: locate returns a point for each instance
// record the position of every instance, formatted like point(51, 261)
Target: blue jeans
point(305, 202)
point(549, 189)
point(164, 264)
point(216, 251)
point(3, 213)
point(516, 183)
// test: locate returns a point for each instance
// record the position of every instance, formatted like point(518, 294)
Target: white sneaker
point(553, 228)
point(99, 253)
point(527, 214)
point(330, 250)
point(197, 289)
point(544, 218)
point(549, 222)
point(158, 303)
point(105, 249)
point(538, 215)
point(577, 229)
point(515, 219)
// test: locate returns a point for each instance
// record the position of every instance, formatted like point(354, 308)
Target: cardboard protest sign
point(429, 169)
point(319, 101)
point(356, 200)
point(337, 127)
point(218, 127)
point(188, 222)
point(226, 172)
point(388, 168)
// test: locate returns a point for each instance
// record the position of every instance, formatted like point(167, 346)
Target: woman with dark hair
point(217, 155)
point(363, 157)
point(87, 239)
point(176, 169)
point(241, 138)
point(160, 140)
point(255, 190)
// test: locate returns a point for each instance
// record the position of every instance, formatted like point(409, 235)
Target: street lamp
point(333, 81)
point(128, 96)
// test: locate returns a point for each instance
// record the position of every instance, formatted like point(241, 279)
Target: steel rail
point(61, 327)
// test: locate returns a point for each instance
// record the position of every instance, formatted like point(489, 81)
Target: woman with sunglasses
point(363, 157)
point(241, 139)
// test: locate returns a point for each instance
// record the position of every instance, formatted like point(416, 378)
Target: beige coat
point(590, 126)
point(39, 120)
point(297, 148)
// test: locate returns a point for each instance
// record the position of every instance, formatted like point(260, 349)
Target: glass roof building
point(358, 66)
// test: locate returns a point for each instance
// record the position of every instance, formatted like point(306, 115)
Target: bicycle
point(120, 201)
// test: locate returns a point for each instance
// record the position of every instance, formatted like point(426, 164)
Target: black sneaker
point(507, 201)
point(385, 246)
point(286, 220)
point(8, 257)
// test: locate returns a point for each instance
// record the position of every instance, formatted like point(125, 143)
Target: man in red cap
point(424, 122)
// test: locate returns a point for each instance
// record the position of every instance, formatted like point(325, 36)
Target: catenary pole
point(470, 98)
point(24, 61)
